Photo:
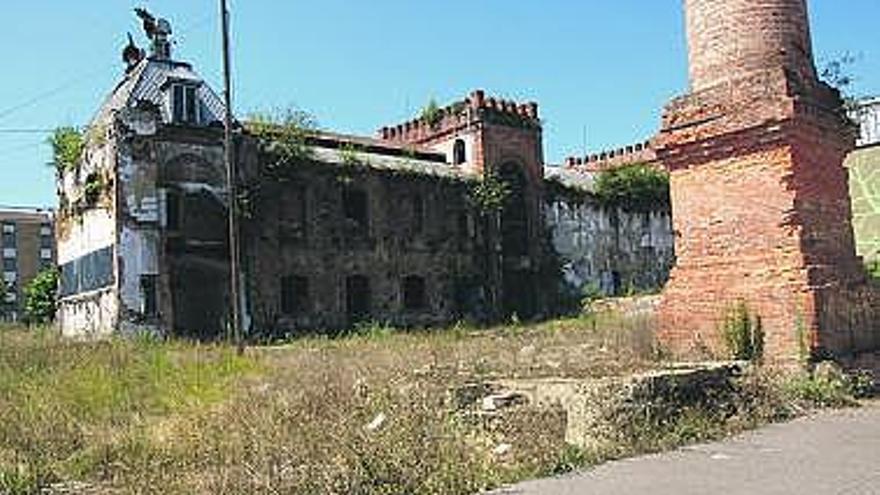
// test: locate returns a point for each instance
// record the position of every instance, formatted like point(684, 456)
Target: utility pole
point(231, 179)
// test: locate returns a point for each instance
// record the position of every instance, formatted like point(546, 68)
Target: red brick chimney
point(759, 193)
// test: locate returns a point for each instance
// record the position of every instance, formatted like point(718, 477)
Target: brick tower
point(759, 193)
point(483, 135)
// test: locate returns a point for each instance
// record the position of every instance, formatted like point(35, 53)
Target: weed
point(743, 333)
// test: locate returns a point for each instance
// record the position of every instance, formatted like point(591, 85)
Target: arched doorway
point(519, 292)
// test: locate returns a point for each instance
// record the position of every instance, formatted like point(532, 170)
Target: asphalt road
point(835, 453)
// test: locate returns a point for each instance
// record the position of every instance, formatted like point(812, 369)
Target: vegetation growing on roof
point(67, 148)
point(432, 113)
point(283, 134)
point(635, 187)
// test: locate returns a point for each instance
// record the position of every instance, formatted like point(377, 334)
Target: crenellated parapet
point(460, 115)
point(635, 153)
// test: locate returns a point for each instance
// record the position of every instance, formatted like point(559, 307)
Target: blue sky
point(604, 66)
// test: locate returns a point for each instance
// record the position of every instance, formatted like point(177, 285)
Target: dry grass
point(368, 414)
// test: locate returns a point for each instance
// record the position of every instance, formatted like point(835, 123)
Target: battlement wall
point(595, 162)
point(461, 114)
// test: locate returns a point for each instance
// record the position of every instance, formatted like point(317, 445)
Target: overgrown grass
point(371, 413)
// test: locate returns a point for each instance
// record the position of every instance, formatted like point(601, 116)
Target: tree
point(40, 297)
point(4, 306)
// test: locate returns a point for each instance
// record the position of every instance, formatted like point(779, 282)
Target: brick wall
point(730, 38)
point(760, 198)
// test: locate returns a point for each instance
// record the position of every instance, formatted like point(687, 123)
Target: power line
point(26, 131)
point(200, 22)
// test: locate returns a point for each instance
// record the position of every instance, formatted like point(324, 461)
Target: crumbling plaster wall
point(82, 230)
point(611, 251)
point(154, 160)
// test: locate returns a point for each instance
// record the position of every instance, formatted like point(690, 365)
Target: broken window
point(184, 104)
point(414, 293)
point(356, 208)
point(357, 298)
point(150, 296)
point(294, 295)
point(91, 272)
point(459, 154)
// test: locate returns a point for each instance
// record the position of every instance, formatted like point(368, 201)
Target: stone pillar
point(759, 194)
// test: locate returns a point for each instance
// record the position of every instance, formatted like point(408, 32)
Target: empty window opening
point(358, 298)
point(184, 104)
point(294, 295)
point(459, 153)
point(355, 207)
point(172, 211)
point(414, 297)
point(149, 292)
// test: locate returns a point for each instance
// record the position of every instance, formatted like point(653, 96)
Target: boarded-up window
point(294, 295)
point(414, 293)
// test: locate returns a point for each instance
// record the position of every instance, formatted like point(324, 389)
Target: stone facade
point(759, 193)
point(27, 246)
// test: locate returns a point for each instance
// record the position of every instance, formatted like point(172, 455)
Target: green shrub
point(67, 148)
point(743, 333)
point(40, 297)
point(634, 187)
point(432, 114)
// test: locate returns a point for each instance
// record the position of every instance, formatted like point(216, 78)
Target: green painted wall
point(864, 184)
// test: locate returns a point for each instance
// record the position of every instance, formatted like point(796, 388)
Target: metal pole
point(231, 186)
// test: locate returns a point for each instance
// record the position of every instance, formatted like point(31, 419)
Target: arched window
point(459, 153)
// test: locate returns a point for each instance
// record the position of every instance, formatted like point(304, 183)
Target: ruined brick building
point(340, 229)
point(345, 229)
